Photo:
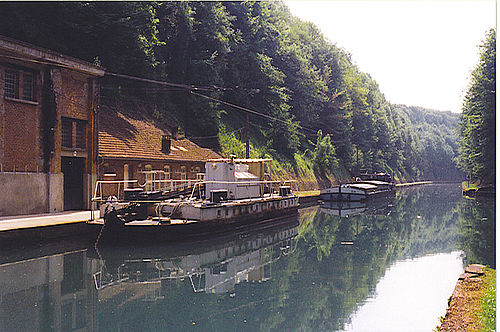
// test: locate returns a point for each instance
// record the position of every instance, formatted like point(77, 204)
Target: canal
point(389, 265)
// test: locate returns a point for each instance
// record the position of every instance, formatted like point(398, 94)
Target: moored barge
point(234, 194)
point(364, 187)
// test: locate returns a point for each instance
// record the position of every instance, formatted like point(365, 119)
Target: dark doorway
point(72, 169)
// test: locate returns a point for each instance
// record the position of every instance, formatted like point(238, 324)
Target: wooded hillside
point(312, 109)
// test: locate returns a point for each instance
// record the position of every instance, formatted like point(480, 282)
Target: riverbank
point(465, 305)
point(410, 184)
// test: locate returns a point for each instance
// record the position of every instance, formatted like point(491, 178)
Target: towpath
point(465, 302)
point(47, 219)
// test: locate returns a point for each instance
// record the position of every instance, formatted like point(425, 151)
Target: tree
point(324, 159)
point(477, 122)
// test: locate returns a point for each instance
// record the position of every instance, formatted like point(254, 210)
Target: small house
point(136, 152)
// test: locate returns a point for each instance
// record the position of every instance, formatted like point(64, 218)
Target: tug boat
point(233, 194)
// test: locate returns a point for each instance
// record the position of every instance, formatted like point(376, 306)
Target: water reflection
point(380, 206)
point(210, 268)
point(325, 271)
point(477, 229)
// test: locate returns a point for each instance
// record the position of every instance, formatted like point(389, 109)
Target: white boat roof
point(375, 182)
point(242, 161)
point(245, 176)
point(361, 185)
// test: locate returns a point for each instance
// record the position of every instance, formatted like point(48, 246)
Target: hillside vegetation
point(313, 110)
point(477, 153)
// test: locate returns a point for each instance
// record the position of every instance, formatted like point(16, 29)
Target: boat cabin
point(234, 179)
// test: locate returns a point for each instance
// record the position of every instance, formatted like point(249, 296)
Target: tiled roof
point(126, 136)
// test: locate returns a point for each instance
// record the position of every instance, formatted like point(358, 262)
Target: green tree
point(324, 159)
point(477, 122)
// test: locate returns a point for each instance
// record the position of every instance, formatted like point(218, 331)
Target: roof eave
point(49, 56)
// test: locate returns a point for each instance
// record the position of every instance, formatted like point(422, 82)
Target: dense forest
point(477, 151)
point(231, 70)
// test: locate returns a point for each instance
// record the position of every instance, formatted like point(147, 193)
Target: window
point(28, 87)
point(125, 176)
point(12, 84)
point(19, 84)
point(80, 135)
point(67, 133)
point(167, 172)
point(149, 177)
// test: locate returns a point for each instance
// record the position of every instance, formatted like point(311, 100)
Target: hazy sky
point(419, 52)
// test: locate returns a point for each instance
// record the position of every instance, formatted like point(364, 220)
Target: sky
point(420, 53)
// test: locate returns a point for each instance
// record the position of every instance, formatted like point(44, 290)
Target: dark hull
point(343, 197)
point(114, 231)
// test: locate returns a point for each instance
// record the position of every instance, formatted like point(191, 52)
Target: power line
point(176, 85)
point(193, 88)
point(214, 136)
point(244, 109)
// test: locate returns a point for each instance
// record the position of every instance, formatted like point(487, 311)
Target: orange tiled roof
point(133, 137)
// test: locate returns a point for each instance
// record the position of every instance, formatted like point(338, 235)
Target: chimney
point(165, 143)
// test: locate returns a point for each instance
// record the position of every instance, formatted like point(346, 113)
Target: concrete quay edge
point(10, 223)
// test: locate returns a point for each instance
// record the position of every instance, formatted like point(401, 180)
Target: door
point(72, 169)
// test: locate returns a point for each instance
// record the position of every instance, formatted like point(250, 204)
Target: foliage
point(487, 315)
point(323, 156)
point(477, 122)
point(255, 55)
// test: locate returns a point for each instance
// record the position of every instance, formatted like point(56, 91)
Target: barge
point(364, 187)
point(234, 194)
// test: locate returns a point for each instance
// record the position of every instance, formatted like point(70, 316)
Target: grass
point(487, 315)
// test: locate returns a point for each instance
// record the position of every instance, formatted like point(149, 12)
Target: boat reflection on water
point(380, 206)
point(73, 290)
point(214, 266)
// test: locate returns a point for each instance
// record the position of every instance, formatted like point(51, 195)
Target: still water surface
point(388, 266)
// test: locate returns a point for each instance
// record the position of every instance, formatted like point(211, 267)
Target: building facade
point(48, 129)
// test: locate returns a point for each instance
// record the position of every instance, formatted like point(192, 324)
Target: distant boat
point(347, 192)
point(365, 186)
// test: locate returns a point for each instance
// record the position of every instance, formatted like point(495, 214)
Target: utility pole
point(247, 129)
point(247, 136)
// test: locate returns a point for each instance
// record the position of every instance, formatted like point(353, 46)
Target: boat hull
point(115, 230)
point(355, 192)
point(343, 193)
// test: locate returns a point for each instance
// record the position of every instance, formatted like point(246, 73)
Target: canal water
point(389, 265)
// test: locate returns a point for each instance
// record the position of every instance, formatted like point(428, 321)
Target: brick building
point(48, 142)
point(132, 147)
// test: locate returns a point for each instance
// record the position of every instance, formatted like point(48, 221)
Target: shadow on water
point(308, 274)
